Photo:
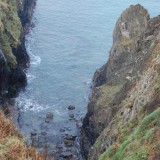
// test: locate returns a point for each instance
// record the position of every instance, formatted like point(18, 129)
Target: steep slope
point(14, 16)
point(12, 146)
point(123, 113)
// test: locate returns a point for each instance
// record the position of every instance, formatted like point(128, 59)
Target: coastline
point(13, 78)
point(15, 59)
point(123, 110)
point(126, 93)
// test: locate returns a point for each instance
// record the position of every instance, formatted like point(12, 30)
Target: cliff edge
point(123, 115)
point(15, 16)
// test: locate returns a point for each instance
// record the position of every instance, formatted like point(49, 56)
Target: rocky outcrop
point(124, 104)
point(14, 19)
point(25, 12)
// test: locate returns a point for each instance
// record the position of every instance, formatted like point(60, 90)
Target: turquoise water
point(71, 38)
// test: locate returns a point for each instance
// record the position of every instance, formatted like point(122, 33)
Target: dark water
point(71, 38)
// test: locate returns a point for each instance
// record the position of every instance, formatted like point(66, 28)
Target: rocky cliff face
point(15, 15)
point(123, 115)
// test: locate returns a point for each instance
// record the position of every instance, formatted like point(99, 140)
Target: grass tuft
point(12, 146)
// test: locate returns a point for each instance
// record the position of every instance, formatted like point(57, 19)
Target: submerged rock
point(66, 155)
point(68, 143)
point(70, 137)
point(49, 116)
point(71, 107)
point(71, 115)
point(33, 133)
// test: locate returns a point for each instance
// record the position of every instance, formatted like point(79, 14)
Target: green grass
point(107, 92)
point(10, 28)
point(137, 144)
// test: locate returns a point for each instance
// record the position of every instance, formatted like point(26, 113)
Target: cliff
point(15, 16)
point(122, 122)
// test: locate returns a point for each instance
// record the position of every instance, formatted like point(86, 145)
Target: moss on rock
point(10, 30)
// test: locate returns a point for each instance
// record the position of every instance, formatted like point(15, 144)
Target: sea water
point(70, 40)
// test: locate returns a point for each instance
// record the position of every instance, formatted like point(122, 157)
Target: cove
point(70, 40)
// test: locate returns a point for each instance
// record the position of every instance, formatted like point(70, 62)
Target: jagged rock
point(125, 86)
point(129, 27)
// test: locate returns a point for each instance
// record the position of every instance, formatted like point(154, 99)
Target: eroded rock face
point(15, 18)
point(122, 88)
point(124, 58)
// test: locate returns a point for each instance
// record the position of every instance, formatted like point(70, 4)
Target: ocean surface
point(70, 40)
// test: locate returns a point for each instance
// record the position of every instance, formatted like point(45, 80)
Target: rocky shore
point(123, 115)
point(18, 15)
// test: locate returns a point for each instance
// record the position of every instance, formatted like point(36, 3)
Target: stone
point(31, 107)
point(71, 107)
point(49, 116)
point(70, 137)
point(43, 133)
point(71, 115)
point(62, 130)
point(59, 146)
point(47, 120)
point(68, 143)
point(66, 154)
point(33, 133)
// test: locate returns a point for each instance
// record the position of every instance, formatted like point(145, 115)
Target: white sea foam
point(30, 77)
point(30, 41)
point(59, 112)
point(28, 104)
point(87, 82)
point(35, 60)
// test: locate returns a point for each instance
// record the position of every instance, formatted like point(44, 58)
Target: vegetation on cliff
point(13, 55)
point(13, 59)
point(10, 29)
point(136, 125)
point(124, 122)
point(12, 145)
